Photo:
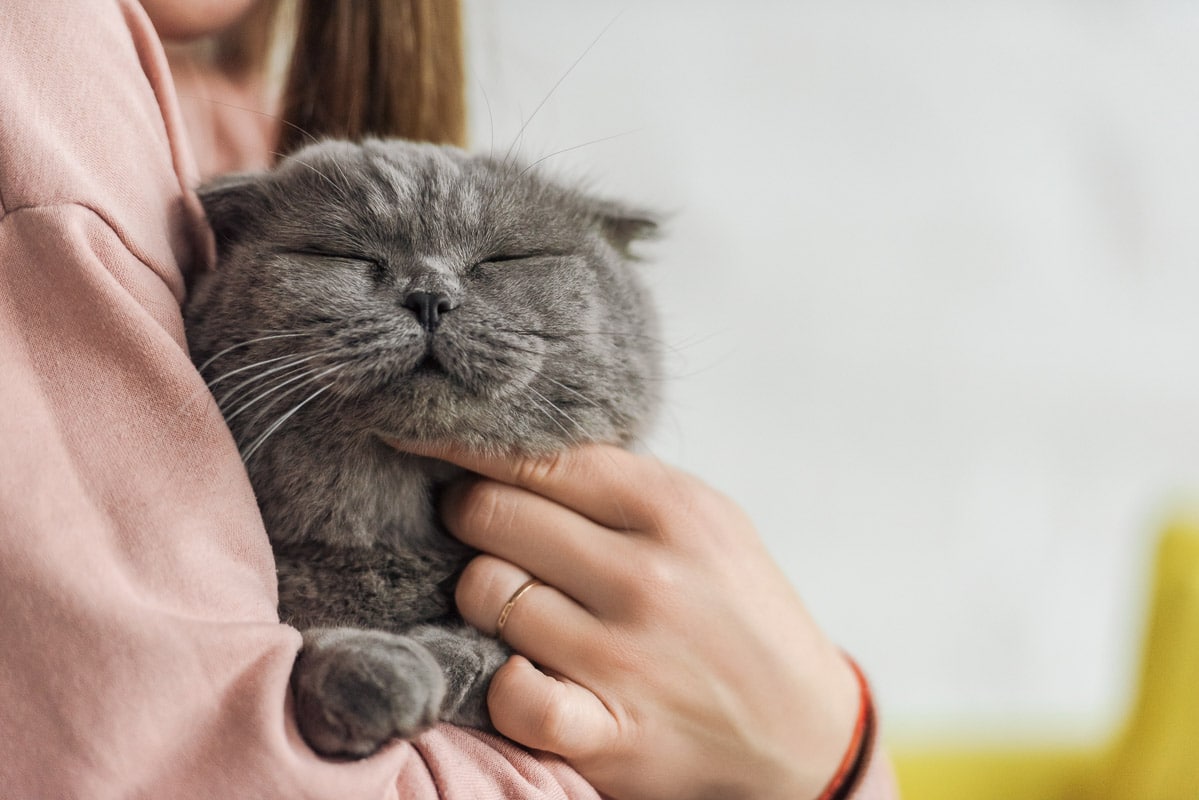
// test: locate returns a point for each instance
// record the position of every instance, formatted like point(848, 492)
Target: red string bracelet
point(845, 778)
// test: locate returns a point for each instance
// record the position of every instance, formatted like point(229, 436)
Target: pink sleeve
point(140, 653)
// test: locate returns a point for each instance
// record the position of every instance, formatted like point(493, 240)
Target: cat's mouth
point(429, 366)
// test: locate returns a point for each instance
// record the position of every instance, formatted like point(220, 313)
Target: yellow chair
point(1156, 757)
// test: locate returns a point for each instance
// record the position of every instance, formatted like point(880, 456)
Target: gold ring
point(507, 609)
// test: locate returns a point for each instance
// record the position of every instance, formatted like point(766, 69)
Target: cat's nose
point(428, 307)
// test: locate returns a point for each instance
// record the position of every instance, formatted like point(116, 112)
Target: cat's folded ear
point(622, 225)
point(232, 204)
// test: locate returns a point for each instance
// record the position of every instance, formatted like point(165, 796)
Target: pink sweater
point(140, 651)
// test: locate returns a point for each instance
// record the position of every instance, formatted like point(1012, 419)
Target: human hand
point(666, 655)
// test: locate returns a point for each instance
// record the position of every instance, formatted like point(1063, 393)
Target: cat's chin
point(406, 437)
point(430, 386)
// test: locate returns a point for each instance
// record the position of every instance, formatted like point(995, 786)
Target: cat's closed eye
point(513, 257)
point(320, 252)
point(498, 259)
point(376, 266)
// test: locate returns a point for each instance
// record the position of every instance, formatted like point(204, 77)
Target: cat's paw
point(469, 660)
point(355, 690)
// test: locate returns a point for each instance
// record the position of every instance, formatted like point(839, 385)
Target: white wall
point(931, 278)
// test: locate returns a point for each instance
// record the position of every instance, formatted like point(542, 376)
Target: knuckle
point(656, 582)
point(688, 511)
point(484, 508)
point(553, 717)
point(675, 496)
point(540, 471)
point(524, 709)
point(478, 587)
point(499, 693)
point(662, 576)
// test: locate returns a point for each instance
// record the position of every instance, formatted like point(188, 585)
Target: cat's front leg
point(357, 689)
point(468, 660)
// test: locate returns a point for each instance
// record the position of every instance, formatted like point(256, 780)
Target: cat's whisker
point(248, 342)
point(235, 107)
point(575, 147)
point(284, 371)
point(490, 116)
point(207, 391)
point(672, 348)
point(202, 395)
point(248, 454)
point(520, 133)
point(309, 373)
point(339, 191)
point(342, 172)
point(251, 426)
point(516, 348)
point(561, 411)
point(302, 357)
point(573, 391)
point(257, 444)
point(346, 397)
point(559, 334)
point(570, 437)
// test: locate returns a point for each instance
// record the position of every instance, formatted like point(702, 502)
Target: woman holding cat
point(141, 654)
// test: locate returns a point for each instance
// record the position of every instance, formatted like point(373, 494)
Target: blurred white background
point(930, 278)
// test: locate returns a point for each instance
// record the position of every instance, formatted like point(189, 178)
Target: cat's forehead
point(425, 199)
point(405, 180)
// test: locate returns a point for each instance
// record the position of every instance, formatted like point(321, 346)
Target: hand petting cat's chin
point(419, 447)
point(445, 449)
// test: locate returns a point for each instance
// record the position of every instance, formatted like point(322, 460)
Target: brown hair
point(362, 68)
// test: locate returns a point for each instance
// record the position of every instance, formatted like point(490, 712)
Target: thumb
point(547, 713)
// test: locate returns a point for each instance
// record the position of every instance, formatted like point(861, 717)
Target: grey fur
point(546, 339)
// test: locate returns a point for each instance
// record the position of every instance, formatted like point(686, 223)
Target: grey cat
point(420, 293)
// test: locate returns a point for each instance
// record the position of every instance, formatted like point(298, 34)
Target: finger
point(546, 713)
point(543, 623)
point(611, 486)
point(563, 548)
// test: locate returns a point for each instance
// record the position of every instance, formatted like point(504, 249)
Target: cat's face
point(416, 292)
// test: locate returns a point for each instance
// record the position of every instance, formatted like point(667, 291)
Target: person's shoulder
point(88, 117)
point(76, 89)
